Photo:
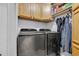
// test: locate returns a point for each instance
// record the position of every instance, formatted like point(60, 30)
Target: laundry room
point(52, 22)
point(39, 29)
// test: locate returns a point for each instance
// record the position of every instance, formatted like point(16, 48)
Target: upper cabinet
point(24, 10)
point(35, 11)
point(45, 11)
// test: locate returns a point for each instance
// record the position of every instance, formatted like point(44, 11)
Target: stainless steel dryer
point(53, 42)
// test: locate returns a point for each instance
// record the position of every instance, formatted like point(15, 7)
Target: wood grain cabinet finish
point(35, 11)
point(75, 31)
point(24, 10)
point(75, 6)
point(46, 11)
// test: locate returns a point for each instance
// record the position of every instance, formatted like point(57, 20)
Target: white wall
point(52, 26)
point(36, 25)
point(31, 24)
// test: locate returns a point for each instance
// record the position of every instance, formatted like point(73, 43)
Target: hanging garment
point(70, 43)
point(63, 34)
point(59, 23)
point(59, 27)
point(66, 35)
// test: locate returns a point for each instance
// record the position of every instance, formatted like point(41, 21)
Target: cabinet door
point(3, 30)
point(40, 11)
point(24, 9)
point(32, 9)
point(46, 9)
point(35, 10)
point(75, 5)
point(27, 9)
point(75, 33)
point(21, 8)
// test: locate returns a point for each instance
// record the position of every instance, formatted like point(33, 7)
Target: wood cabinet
point(24, 10)
point(75, 30)
point(35, 11)
point(75, 6)
point(46, 11)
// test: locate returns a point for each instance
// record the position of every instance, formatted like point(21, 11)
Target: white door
point(3, 29)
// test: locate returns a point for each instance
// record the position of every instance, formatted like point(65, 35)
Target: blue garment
point(59, 24)
point(70, 44)
point(59, 27)
point(66, 35)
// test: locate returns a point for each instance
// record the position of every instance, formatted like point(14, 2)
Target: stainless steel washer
point(31, 43)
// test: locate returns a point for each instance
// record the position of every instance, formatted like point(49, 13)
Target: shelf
point(62, 12)
point(55, 4)
point(33, 19)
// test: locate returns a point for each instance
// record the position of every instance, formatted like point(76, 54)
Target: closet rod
point(62, 12)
